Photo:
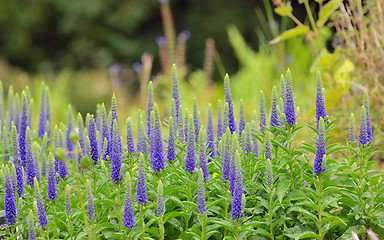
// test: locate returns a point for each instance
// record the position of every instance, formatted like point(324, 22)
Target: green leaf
point(326, 11)
point(282, 188)
point(284, 10)
point(291, 33)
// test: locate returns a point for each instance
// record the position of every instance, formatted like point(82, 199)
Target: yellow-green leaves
point(326, 11)
point(291, 33)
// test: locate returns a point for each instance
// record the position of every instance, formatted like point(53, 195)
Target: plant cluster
point(249, 180)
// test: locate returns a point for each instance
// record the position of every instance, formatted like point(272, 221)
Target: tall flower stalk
point(190, 157)
point(228, 99)
point(128, 217)
point(210, 134)
point(156, 141)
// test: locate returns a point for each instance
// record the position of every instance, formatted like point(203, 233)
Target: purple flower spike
point(263, 118)
point(268, 165)
point(68, 139)
point(160, 199)
point(67, 199)
point(51, 185)
point(247, 144)
point(203, 154)
point(113, 118)
point(190, 162)
point(61, 164)
point(201, 194)
point(320, 106)
point(232, 177)
point(92, 140)
point(23, 128)
point(196, 120)
point(31, 226)
point(220, 130)
point(105, 129)
point(157, 151)
point(274, 113)
point(91, 206)
point(351, 137)
point(369, 128)
point(171, 155)
point(289, 104)
point(228, 99)
point(226, 120)
point(175, 92)
point(47, 111)
point(17, 162)
point(128, 217)
point(283, 88)
point(210, 135)
point(241, 118)
point(9, 199)
point(149, 107)
point(363, 136)
point(142, 138)
point(130, 142)
point(319, 165)
point(41, 214)
point(30, 168)
point(141, 189)
point(42, 121)
point(226, 154)
point(268, 146)
point(237, 203)
point(80, 124)
point(116, 153)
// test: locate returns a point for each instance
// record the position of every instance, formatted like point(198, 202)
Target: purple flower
point(92, 140)
point(241, 118)
point(67, 199)
point(203, 154)
point(60, 164)
point(210, 135)
point(68, 139)
point(98, 118)
point(289, 103)
point(17, 162)
point(263, 118)
point(22, 129)
point(141, 189)
point(220, 130)
point(283, 88)
point(128, 217)
point(184, 35)
point(31, 226)
point(91, 206)
point(196, 119)
point(226, 154)
point(141, 138)
point(319, 165)
point(320, 107)
point(116, 153)
point(149, 107)
point(351, 137)
point(30, 168)
point(160, 199)
point(232, 177)
point(41, 215)
point(157, 151)
point(42, 121)
point(237, 208)
point(113, 118)
point(47, 112)
point(186, 124)
point(268, 165)
point(200, 193)
point(130, 142)
point(274, 113)
point(175, 92)
point(180, 124)
point(9, 199)
point(363, 136)
point(104, 130)
point(17, 112)
point(161, 41)
point(247, 135)
point(190, 157)
point(226, 120)
point(80, 125)
point(268, 146)
point(369, 128)
point(51, 180)
point(228, 99)
point(171, 141)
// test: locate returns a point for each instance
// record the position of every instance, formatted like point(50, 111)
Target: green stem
point(320, 210)
point(310, 16)
point(119, 207)
point(142, 221)
point(70, 225)
point(290, 161)
point(270, 213)
point(202, 226)
point(237, 232)
point(93, 229)
point(161, 227)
